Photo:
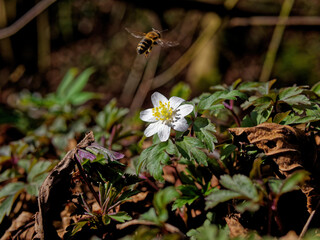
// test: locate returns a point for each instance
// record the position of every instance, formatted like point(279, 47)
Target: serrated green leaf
point(153, 159)
point(205, 130)
point(219, 196)
point(240, 184)
point(207, 101)
point(289, 92)
point(120, 216)
point(189, 148)
point(297, 100)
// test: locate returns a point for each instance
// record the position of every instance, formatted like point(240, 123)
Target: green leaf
point(78, 84)
point(78, 226)
point(292, 181)
point(289, 92)
point(226, 151)
point(189, 149)
point(120, 217)
point(280, 187)
point(207, 101)
point(279, 117)
point(240, 184)
point(190, 193)
point(205, 130)
point(6, 206)
point(154, 158)
point(38, 169)
point(11, 189)
point(219, 196)
point(66, 82)
point(316, 88)
point(256, 118)
point(106, 219)
point(247, 206)
point(83, 97)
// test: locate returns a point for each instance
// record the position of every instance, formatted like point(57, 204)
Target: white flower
point(165, 115)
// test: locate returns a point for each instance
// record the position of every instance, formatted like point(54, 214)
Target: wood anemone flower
point(165, 114)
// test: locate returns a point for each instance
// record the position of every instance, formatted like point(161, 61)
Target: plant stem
point(84, 176)
point(276, 40)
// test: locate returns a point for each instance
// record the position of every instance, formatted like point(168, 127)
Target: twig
point(170, 228)
point(25, 19)
point(276, 40)
point(271, 21)
point(305, 228)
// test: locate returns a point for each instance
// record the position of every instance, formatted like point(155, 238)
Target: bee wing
point(136, 34)
point(165, 43)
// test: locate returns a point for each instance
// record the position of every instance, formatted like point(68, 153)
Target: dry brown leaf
point(235, 227)
point(20, 221)
point(289, 147)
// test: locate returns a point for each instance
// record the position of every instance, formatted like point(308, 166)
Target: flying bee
point(149, 40)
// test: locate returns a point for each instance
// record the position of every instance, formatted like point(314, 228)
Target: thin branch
point(306, 226)
point(170, 228)
point(276, 40)
point(25, 19)
point(271, 21)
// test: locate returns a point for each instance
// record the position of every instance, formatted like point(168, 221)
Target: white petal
point(181, 125)
point(164, 133)
point(152, 129)
point(156, 98)
point(147, 116)
point(184, 110)
point(175, 102)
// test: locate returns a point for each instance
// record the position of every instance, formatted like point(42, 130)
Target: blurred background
point(220, 42)
point(226, 45)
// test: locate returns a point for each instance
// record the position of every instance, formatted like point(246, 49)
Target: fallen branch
point(25, 19)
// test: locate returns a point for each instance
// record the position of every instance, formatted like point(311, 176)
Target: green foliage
point(70, 91)
point(159, 214)
point(155, 157)
point(208, 231)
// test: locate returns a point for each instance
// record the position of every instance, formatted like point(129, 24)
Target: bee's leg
point(148, 51)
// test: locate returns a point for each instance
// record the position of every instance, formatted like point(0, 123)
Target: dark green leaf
point(120, 217)
point(219, 196)
point(6, 205)
point(66, 82)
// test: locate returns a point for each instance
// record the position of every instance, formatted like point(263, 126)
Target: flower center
point(163, 113)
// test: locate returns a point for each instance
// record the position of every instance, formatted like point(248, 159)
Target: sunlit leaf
point(189, 148)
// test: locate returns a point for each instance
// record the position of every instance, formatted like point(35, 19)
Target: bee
point(149, 40)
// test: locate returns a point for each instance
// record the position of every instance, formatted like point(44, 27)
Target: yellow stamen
point(163, 112)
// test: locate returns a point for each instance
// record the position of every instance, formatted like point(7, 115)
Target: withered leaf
point(289, 147)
